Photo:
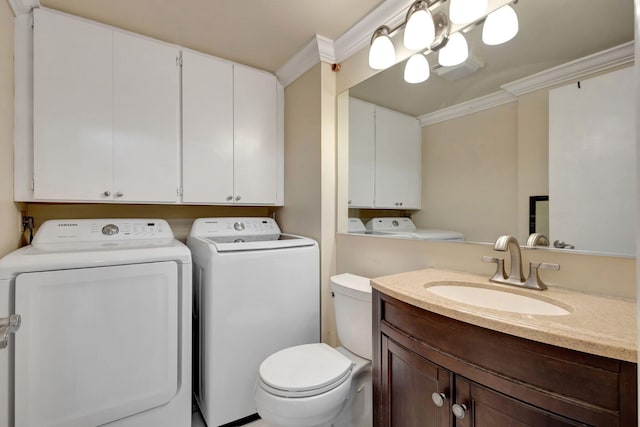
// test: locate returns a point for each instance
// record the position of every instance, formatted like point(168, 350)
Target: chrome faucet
point(510, 244)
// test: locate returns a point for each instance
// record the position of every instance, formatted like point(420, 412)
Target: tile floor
point(196, 421)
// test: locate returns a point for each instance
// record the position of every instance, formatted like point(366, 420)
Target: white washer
point(356, 226)
point(105, 334)
point(400, 226)
point(257, 291)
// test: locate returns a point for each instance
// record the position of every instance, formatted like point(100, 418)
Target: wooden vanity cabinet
point(501, 380)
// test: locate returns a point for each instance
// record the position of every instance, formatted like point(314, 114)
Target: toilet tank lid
point(352, 285)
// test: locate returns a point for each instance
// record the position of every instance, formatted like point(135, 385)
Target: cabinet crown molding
point(22, 7)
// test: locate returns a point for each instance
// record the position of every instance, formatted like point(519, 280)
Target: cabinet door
point(398, 173)
point(361, 153)
point(408, 382)
point(73, 139)
point(488, 408)
point(207, 129)
point(146, 98)
point(255, 147)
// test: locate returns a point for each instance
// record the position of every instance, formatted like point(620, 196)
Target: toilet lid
point(305, 368)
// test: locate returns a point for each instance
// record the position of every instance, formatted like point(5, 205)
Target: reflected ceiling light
point(455, 52)
point(467, 11)
point(500, 26)
point(417, 69)
point(419, 30)
point(382, 54)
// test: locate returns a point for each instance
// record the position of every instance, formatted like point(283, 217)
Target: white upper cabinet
point(207, 129)
point(255, 151)
point(385, 158)
point(231, 149)
point(146, 118)
point(398, 181)
point(362, 153)
point(106, 113)
point(73, 108)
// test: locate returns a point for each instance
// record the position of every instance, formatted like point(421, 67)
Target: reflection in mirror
point(482, 161)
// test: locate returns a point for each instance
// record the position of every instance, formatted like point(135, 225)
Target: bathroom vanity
point(442, 363)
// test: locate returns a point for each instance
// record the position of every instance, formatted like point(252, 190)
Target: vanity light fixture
point(455, 52)
point(417, 69)
point(382, 54)
point(427, 30)
point(500, 26)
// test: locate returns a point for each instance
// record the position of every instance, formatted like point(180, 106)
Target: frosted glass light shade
point(500, 26)
point(417, 69)
point(382, 54)
point(466, 11)
point(455, 52)
point(419, 31)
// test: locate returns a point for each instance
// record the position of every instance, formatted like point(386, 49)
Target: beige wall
point(9, 211)
point(468, 170)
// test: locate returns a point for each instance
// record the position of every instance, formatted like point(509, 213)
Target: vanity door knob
point(229, 198)
point(438, 399)
point(107, 194)
point(401, 204)
point(119, 194)
point(349, 201)
point(459, 410)
point(237, 198)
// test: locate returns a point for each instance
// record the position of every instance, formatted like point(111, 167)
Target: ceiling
point(260, 33)
point(552, 32)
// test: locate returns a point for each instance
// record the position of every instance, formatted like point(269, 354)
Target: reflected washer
point(105, 337)
point(400, 226)
point(256, 291)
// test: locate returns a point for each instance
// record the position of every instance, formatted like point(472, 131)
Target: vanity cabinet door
point(484, 407)
point(408, 383)
point(398, 152)
point(361, 153)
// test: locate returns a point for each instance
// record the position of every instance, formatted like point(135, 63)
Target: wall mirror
point(480, 170)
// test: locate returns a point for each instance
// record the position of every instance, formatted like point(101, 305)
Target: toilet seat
point(304, 370)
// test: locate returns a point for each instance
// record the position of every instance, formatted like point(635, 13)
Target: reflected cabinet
point(434, 371)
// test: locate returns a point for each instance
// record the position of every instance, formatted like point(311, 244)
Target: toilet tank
point(352, 301)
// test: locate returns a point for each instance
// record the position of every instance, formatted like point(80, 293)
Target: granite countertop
point(596, 324)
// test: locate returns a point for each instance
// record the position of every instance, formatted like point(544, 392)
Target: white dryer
point(400, 226)
point(257, 291)
point(105, 333)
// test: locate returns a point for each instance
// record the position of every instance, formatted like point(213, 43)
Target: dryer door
point(96, 344)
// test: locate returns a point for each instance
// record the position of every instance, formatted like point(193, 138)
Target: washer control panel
point(97, 230)
point(211, 227)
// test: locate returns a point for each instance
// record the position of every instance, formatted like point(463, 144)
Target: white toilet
point(315, 385)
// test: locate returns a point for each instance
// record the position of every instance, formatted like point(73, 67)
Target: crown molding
point(600, 61)
point(390, 12)
point(22, 7)
point(483, 103)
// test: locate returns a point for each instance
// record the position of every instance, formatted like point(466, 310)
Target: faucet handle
point(500, 273)
point(534, 281)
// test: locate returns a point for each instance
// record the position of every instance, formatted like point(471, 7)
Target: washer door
point(96, 344)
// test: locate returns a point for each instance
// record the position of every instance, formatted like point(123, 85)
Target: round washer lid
point(304, 367)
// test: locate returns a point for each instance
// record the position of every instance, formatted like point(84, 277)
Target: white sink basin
point(497, 300)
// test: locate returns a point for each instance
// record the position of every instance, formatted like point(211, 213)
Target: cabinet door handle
point(107, 194)
point(438, 399)
point(229, 198)
point(459, 410)
point(237, 198)
point(119, 194)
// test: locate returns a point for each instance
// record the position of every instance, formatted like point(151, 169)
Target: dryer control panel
point(99, 230)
